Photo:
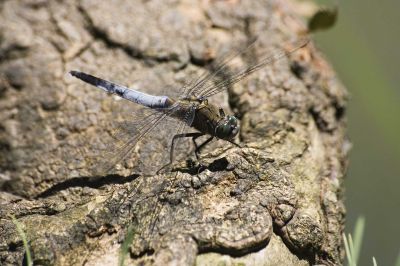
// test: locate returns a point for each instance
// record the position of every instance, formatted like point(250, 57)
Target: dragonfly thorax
point(227, 128)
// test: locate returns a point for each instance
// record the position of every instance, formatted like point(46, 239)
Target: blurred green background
point(364, 49)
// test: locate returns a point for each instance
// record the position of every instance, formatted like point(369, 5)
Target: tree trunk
point(277, 200)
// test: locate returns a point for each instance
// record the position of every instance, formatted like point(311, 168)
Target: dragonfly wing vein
point(119, 153)
point(239, 75)
point(220, 67)
point(129, 134)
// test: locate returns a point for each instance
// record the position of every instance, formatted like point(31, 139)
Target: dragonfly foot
point(200, 168)
point(163, 169)
point(236, 144)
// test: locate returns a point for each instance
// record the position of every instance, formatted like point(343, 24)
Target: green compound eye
point(232, 120)
point(223, 131)
point(227, 129)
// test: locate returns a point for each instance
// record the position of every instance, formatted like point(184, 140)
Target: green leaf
point(323, 19)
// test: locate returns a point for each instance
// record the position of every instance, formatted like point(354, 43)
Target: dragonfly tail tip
point(74, 73)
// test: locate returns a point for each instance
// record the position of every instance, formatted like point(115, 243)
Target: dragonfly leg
point(198, 148)
point(237, 145)
point(171, 151)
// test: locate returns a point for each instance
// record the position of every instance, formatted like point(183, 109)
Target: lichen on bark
point(277, 200)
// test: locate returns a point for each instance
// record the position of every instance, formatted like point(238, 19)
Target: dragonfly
point(191, 109)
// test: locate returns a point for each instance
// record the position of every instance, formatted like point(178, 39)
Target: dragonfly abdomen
point(135, 96)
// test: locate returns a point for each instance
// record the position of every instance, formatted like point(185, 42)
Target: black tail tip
point(75, 73)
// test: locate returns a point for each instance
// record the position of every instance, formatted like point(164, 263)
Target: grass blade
point(22, 235)
point(374, 261)
point(351, 247)
point(346, 247)
point(125, 245)
point(358, 234)
point(397, 263)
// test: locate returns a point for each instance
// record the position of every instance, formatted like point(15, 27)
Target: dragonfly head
point(227, 128)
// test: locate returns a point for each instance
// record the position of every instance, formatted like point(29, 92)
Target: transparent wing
point(124, 141)
point(141, 143)
point(219, 67)
point(223, 76)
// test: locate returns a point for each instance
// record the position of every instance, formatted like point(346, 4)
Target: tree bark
point(277, 200)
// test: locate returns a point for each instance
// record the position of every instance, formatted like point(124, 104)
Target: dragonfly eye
point(223, 131)
point(232, 120)
point(228, 128)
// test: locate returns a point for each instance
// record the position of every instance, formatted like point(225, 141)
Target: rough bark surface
point(275, 201)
